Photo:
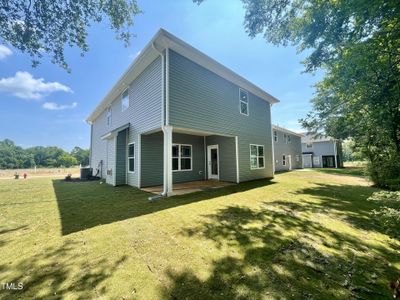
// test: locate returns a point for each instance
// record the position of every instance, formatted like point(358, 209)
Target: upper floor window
point(285, 138)
point(244, 102)
point(257, 157)
point(275, 136)
point(181, 157)
point(309, 145)
point(289, 140)
point(125, 100)
point(109, 116)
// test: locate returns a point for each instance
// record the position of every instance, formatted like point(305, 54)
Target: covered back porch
point(179, 160)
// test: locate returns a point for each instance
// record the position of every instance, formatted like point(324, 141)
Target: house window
point(285, 138)
point(309, 145)
point(109, 116)
point(283, 160)
point(181, 157)
point(289, 140)
point(275, 136)
point(257, 157)
point(244, 102)
point(131, 158)
point(125, 100)
point(297, 158)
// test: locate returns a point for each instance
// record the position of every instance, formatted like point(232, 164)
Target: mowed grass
point(302, 235)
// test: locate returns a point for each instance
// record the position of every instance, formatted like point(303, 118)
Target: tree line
point(16, 157)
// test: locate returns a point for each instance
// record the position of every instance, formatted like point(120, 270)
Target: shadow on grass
point(48, 274)
point(87, 204)
point(349, 171)
point(284, 249)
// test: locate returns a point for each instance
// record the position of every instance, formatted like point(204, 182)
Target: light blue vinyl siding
point(201, 100)
point(143, 115)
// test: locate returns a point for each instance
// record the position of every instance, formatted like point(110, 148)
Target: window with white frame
point(257, 157)
point(283, 160)
point(309, 145)
point(275, 136)
point(125, 100)
point(289, 140)
point(285, 138)
point(181, 157)
point(244, 102)
point(109, 116)
point(131, 158)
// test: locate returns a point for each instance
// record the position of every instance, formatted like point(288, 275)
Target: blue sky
point(48, 106)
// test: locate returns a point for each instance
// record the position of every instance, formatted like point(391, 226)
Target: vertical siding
point(202, 100)
point(293, 148)
point(227, 156)
point(143, 114)
point(121, 158)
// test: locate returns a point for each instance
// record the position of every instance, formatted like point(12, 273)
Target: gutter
point(163, 116)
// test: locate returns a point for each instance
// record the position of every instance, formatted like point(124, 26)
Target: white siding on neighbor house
point(282, 148)
point(320, 148)
point(143, 114)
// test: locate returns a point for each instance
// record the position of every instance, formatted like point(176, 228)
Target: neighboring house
point(321, 152)
point(176, 115)
point(287, 149)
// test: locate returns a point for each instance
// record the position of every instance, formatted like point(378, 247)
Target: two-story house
point(321, 152)
point(287, 149)
point(176, 115)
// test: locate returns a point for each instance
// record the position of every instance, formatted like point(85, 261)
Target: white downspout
point(237, 159)
point(167, 130)
point(167, 86)
point(272, 140)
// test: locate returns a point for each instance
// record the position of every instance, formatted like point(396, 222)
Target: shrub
point(384, 171)
point(388, 214)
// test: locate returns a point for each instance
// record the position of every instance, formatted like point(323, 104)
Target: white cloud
point(4, 52)
point(24, 86)
point(55, 106)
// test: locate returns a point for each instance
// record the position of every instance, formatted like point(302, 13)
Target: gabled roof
point(161, 41)
point(312, 138)
point(278, 128)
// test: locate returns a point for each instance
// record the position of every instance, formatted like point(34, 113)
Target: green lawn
point(302, 235)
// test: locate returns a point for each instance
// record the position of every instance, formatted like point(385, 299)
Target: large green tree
point(357, 44)
point(81, 155)
point(40, 27)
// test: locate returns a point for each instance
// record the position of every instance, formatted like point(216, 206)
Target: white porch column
point(167, 160)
